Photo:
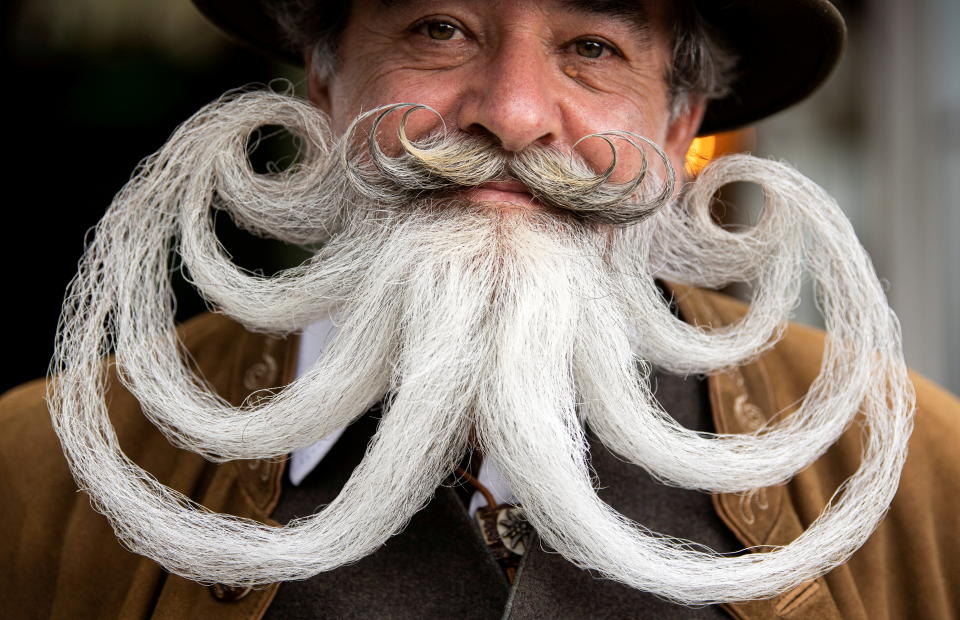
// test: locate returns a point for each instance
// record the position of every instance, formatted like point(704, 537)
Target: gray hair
point(702, 65)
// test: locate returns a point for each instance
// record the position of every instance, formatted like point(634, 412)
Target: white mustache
point(470, 317)
point(448, 161)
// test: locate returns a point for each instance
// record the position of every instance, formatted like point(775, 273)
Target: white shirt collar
point(313, 344)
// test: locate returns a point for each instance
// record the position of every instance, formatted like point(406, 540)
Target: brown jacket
point(61, 559)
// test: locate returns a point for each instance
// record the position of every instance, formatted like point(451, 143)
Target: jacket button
point(229, 594)
point(262, 374)
point(262, 466)
point(748, 414)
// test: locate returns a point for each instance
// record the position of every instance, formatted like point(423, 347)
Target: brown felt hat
point(786, 49)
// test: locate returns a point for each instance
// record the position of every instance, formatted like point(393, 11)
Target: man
point(490, 191)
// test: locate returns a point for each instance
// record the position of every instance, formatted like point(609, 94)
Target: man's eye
point(588, 48)
point(440, 31)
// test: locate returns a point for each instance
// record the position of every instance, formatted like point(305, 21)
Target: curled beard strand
point(531, 426)
point(422, 433)
point(864, 337)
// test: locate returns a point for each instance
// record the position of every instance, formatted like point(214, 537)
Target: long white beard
point(513, 324)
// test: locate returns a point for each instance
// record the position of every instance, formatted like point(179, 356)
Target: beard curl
point(469, 318)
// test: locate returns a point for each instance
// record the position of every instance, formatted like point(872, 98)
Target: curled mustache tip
point(634, 215)
point(385, 111)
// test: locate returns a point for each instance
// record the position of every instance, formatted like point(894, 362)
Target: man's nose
point(513, 97)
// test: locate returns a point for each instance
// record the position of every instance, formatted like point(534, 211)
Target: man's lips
point(515, 187)
point(504, 192)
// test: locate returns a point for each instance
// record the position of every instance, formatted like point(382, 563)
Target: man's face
point(524, 72)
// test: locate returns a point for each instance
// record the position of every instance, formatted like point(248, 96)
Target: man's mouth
point(511, 193)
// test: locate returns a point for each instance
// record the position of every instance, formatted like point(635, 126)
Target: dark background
point(81, 114)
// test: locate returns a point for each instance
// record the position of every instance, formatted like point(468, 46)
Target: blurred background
point(96, 85)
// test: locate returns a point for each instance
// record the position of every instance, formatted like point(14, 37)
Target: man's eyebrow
point(632, 11)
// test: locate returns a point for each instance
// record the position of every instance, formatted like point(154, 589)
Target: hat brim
point(786, 49)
